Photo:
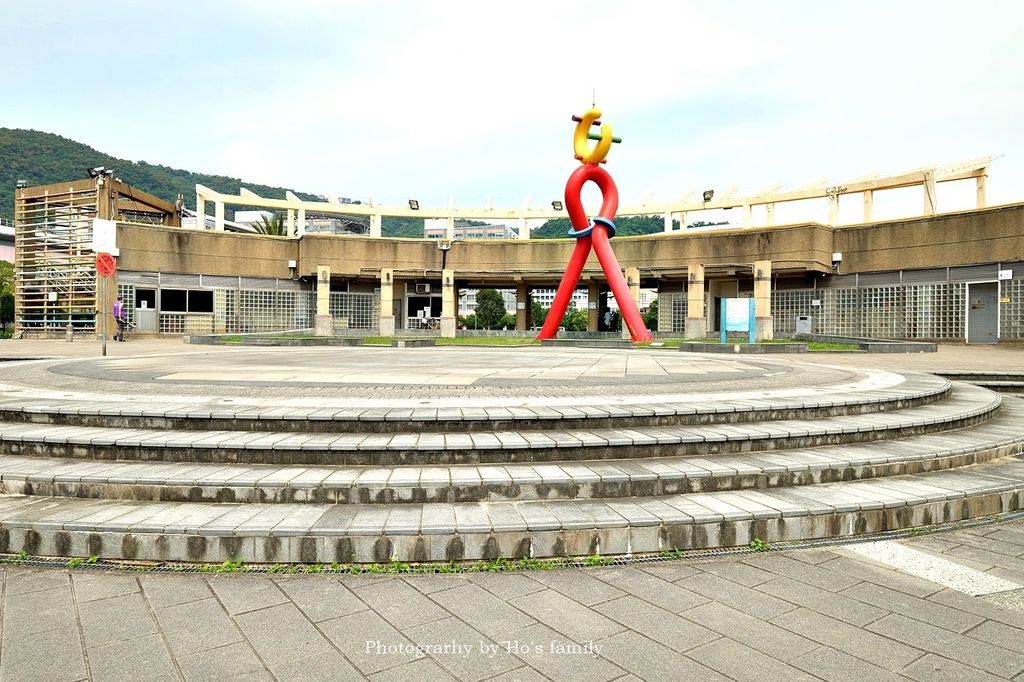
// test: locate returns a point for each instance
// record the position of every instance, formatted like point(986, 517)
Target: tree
point(272, 224)
point(538, 313)
point(651, 316)
point(575, 320)
point(490, 308)
point(6, 293)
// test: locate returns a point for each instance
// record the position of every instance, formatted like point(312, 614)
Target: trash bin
point(804, 324)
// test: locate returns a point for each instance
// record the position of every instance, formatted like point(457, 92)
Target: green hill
point(44, 158)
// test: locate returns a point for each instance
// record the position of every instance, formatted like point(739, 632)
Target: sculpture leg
point(565, 289)
point(610, 264)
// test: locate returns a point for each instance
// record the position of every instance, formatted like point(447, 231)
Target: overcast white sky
point(469, 99)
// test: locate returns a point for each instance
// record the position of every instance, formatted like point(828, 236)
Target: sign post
point(105, 268)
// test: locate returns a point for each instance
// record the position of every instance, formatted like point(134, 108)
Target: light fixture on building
point(414, 205)
point(557, 205)
point(22, 184)
point(708, 195)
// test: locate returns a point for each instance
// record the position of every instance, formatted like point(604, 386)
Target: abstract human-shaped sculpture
point(593, 234)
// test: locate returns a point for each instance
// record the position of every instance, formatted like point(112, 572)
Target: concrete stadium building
point(956, 276)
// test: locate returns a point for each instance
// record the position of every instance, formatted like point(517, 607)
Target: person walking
point(122, 321)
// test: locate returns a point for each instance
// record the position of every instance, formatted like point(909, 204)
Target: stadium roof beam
point(819, 189)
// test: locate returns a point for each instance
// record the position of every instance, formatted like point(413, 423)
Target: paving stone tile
point(933, 668)
point(651, 661)
point(539, 646)
point(492, 616)
point(428, 583)
point(669, 596)
point(580, 586)
point(243, 593)
point(656, 623)
point(319, 597)
point(115, 618)
point(523, 674)
point(20, 581)
point(1000, 634)
point(55, 655)
point(829, 664)
point(914, 607)
point(93, 586)
point(143, 658)
point(30, 612)
point(766, 637)
point(818, 576)
point(671, 570)
point(168, 590)
point(991, 606)
point(737, 572)
point(368, 641)
point(824, 602)
point(742, 663)
point(560, 613)
point(280, 634)
point(849, 639)
point(879, 575)
point(484, 659)
point(971, 652)
point(178, 625)
point(506, 585)
point(221, 663)
point(329, 666)
point(400, 604)
point(757, 604)
point(422, 669)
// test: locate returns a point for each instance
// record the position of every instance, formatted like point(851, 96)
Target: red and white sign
point(105, 265)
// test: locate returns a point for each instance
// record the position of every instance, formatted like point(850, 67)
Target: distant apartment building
point(6, 240)
point(438, 229)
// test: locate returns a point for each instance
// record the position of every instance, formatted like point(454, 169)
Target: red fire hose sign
point(105, 265)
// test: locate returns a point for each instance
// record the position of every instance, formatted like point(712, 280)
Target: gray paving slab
point(132, 659)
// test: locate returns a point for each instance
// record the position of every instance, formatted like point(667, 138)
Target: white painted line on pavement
point(930, 567)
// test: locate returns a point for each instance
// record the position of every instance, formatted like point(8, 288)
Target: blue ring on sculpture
point(590, 228)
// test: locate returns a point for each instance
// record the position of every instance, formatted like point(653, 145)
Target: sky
point(465, 101)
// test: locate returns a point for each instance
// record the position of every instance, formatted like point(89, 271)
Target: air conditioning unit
point(422, 288)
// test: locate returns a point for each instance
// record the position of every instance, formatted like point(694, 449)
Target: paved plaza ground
point(951, 607)
point(800, 615)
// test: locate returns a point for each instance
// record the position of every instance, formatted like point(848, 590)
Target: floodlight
point(22, 184)
point(708, 194)
point(96, 171)
point(557, 205)
point(414, 205)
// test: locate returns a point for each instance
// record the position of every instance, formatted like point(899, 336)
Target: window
point(186, 301)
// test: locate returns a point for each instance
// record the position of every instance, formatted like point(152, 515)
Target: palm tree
point(272, 224)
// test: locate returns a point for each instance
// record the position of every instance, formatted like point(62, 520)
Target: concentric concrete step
point(211, 532)
point(874, 392)
point(995, 438)
point(965, 406)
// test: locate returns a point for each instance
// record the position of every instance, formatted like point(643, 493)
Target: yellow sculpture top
point(582, 133)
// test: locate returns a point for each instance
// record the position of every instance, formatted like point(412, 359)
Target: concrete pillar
point(324, 323)
point(524, 229)
point(376, 222)
point(449, 232)
point(522, 307)
point(979, 186)
point(696, 320)
point(763, 323)
point(633, 282)
point(302, 222)
point(387, 304)
point(593, 306)
point(668, 221)
point(200, 212)
point(218, 216)
point(769, 210)
point(869, 205)
point(746, 215)
point(290, 223)
point(449, 315)
point(833, 208)
point(929, 193)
